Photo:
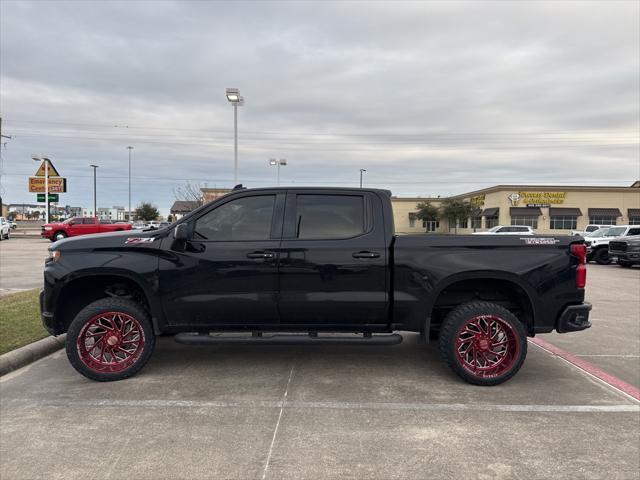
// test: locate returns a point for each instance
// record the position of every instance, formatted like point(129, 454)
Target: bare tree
point(191, 192)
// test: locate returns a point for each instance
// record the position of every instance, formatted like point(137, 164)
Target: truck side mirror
point(181, 232)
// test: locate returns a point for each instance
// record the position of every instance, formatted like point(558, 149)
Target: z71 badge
point(139, 240)
point(540, 241)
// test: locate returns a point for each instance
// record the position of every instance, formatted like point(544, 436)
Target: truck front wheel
point(58, 236)
point(484, 343)
point(110, 339)
point(601, 256)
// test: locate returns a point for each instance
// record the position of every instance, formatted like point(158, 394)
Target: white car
point(5, 228)
point(592, 227)
point(508, 230)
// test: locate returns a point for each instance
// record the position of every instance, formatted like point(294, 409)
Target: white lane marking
point(604, 355)
point(456, 407)
point(275, 431)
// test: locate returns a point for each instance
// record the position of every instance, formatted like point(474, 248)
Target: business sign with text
point(56, 185)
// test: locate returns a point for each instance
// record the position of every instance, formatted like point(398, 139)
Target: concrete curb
point(22, 356)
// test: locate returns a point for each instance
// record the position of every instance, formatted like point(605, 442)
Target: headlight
point(48, 228)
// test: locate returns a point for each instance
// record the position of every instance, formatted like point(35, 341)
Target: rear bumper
point(574, 318)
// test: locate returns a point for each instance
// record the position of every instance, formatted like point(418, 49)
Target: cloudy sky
point(432, 98)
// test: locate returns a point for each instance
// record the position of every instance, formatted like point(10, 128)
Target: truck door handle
point(260, 255)
point(365, 255)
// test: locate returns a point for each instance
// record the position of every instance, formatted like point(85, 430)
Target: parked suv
point(626, 249)
point(598, 247)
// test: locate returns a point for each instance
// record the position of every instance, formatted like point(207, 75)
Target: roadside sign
point(52, 170)
point(56, 185)
point(53, 197)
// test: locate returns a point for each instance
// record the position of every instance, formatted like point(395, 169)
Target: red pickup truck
point(80, 226)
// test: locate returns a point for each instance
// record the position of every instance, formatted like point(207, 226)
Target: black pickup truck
point(309, 265)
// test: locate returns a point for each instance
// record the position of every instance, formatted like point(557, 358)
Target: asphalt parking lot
point(336, 412)
point(21, 263)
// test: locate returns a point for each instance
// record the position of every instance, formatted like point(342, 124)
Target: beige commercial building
point(548, 209)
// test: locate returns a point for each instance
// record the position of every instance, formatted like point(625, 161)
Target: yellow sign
point(52, 170)
point(56, 185)
point(477, 201)
point(537, 198)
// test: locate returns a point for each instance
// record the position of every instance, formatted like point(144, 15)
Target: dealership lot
point(330, 412)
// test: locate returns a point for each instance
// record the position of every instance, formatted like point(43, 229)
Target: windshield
point(70, 220)
point(601, 232)
point(494, 229)
point(615, 232)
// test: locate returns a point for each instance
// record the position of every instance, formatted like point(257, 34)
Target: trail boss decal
point(540, 241)
point(139, 240)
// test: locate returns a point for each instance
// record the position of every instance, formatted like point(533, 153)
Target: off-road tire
point(460, 323)
point(94, 316)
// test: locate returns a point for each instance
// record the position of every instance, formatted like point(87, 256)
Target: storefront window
point(634, 220)
point(564, 223)
point(526, 220)
point(476, 222)
point(603, 220)
point(412, 222)
point(491, 221)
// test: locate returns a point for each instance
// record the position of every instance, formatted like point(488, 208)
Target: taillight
point(580, 250)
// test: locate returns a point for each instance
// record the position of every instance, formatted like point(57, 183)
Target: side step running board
point(311, 339)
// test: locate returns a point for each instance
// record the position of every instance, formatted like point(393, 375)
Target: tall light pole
point(129, 215)
point(277, 162)
point(46, 184)
point(95, 209)
point(362, 170)
point(233, 95)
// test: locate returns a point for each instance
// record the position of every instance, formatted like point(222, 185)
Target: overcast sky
point(432, 98)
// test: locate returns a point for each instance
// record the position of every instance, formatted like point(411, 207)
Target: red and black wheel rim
point(487, 346)
point(110, 342)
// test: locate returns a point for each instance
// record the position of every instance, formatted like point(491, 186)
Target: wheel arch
point(88, 287)
point(502, 288)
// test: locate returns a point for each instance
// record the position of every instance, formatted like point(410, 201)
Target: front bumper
point(574, 318)
point(46, 317)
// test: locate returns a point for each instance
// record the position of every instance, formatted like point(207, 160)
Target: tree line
point(452, 210)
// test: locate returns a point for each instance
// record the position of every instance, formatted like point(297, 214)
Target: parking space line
point(275, 431)
point(587, 367)
point(279, 404)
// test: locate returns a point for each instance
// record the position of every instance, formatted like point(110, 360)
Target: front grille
point(618, 246)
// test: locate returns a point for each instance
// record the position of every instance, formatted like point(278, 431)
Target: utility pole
point(362, 170)
point(1, 164)
point(129, 215)
point(95, 210)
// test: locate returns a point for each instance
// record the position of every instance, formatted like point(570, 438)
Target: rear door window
point(329, 216)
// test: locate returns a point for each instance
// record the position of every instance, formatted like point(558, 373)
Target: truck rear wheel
point(110, 339)
point(484, 343)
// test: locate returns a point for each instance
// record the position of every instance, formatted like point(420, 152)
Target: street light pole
point(362, 170)
point(129, 214)
point(95, 209)
point(278, 162)
point(233, 95)
point(46, 183)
